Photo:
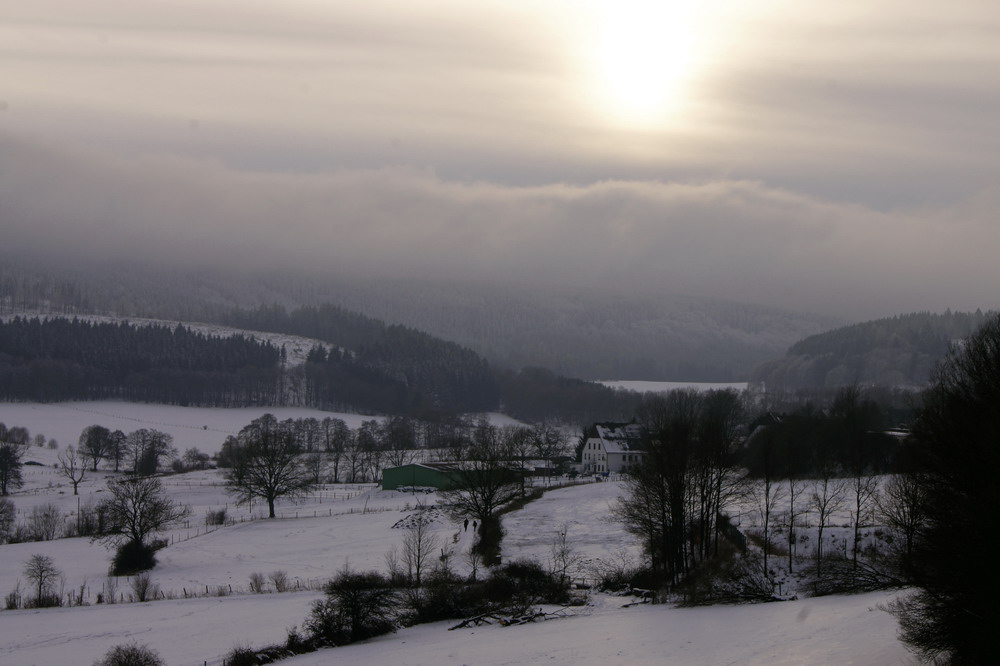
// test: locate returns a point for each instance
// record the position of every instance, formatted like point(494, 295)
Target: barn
point(427, 475)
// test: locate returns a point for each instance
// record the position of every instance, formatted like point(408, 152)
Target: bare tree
point(901, 506)
point(563, 557)
point(42, 572)
point(44, 522)
point(95, 444)
point(765, 494)
point(863, 492)
point(547, 442)
point(72, 467)
point(193, 458)
point(336, 438)
point(657, 498)
point(139, 508)
point(145, 450)
point(419, 544)
point(315, 464)
point(793, 491)
point(268, 465)
point(484, 480)
point(827, 497)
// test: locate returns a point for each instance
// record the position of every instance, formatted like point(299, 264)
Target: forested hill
point(62, 359)
point(378, 367)
point(577, 332)
point(896, 351)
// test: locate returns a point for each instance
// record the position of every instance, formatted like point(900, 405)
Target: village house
point(612, 447)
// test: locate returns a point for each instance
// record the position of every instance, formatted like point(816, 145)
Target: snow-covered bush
point(358, 605)
point(131, 654)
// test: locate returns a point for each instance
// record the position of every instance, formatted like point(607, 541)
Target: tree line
point(893, 351)
point(56, 359)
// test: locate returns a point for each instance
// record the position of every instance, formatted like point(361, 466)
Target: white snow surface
point(205, 428)
point(829, 630)
point(354, 525)
point(664, 387)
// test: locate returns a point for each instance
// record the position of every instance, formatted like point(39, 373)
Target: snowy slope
point(205, 428)
point(355, 526)
point(829, 630)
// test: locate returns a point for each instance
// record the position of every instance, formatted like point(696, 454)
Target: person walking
point(466, 524)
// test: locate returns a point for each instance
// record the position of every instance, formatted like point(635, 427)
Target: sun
point(643, 55)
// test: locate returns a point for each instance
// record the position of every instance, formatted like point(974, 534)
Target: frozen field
point(204, 428)
point(355, 525)
point(841, 630)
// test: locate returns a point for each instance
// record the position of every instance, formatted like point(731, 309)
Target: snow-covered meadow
point(204, 428)
point(208, 608)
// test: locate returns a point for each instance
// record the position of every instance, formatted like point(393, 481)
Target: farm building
point(429, 475)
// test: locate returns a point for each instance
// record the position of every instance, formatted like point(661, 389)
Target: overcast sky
point(839, 157)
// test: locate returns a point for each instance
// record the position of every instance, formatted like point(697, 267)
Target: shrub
point(241, 655)
point(215, 517)
point(144, 588)
point(358, 605)
point(131, 654)
point(521, 583)
point(92, 520)
point(444, 596)
point(257, 582)
point(617, 574)
point(728, 578)
point(133, 557)
point(13, 599)
point(280, 580)
point(7, 513)
point(488, 544)
point(45, 522)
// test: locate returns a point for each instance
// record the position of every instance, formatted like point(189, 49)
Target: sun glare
point(643, 56)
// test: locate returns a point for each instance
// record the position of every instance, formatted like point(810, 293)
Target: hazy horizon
point(838, 159)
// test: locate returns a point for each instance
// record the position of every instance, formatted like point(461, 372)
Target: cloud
point(733, 239)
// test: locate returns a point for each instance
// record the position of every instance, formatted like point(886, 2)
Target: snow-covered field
point(663, 387)
point(204, 428)
point(841, 630)
point(354, 525)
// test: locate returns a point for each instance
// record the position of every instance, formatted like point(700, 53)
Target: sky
point(840, 158)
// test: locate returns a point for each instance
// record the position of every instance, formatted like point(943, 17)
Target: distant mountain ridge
point(898, 351)
point(579, 333)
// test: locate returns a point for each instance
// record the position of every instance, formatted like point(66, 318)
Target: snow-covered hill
point(354, 526)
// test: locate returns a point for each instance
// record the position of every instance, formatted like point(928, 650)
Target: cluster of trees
point(140, 452)
point(814, 464)
point(271, 459)
point(537, 394)
point(847, 436)
point(377, 367)
point(70, 359)
point(686, 479)
point(895, 351)
point(14, 443)
point(953, 613)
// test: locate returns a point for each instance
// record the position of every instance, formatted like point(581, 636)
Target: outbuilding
point(424, 475)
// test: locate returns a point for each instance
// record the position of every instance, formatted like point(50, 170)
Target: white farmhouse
point(611, 447)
